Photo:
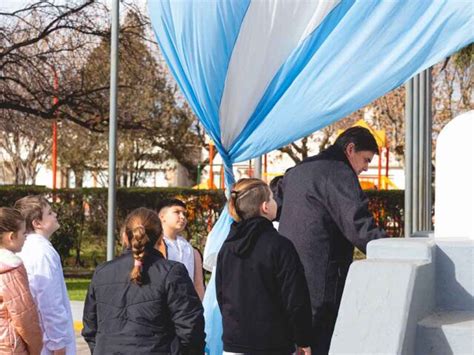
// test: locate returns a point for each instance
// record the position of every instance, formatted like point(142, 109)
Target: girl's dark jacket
point(261, 291)
point(163, 316)
point(324, 212)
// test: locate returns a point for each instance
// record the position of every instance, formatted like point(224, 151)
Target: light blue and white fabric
point(262, 73)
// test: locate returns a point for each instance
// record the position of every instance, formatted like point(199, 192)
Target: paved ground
point(77, 307)
point(82, 348)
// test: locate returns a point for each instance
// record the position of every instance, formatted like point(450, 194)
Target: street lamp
point(55, 126)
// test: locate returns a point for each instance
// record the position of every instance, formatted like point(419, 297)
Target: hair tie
point(138, 263)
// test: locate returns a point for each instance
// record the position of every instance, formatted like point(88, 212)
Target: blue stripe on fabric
point(312, 99)
point(376, 47)
point(213, 324)
point(291, 68)
point(197, 39)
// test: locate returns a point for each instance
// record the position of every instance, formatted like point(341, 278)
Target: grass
point(77, 288)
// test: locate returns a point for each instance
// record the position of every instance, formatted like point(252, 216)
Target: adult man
point(325, 213)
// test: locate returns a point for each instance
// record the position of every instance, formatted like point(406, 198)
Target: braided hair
point(142, 231)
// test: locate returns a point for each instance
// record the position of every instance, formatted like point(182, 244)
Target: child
point(18, 314)
point(172, 214)
point(275, 186)
point(141, 303)
point(45, 275)
point(260, 283)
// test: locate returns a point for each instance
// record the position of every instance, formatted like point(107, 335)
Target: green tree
point(155, 124)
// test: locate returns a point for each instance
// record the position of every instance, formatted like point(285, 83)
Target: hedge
point(387, 206)
point(82, 213)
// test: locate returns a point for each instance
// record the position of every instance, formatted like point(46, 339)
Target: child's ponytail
point(232, 205)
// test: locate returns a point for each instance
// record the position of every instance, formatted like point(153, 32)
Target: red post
point(222, 181)
point(387, 164)
point(380, 169)
point(210, 183)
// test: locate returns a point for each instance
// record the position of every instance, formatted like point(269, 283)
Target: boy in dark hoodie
point(261, 287)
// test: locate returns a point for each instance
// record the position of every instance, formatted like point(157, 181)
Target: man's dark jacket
point(163, 316)
point(324, 212)
point(261, 291)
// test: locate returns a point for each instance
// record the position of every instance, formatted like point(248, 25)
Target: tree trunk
point(79, 177)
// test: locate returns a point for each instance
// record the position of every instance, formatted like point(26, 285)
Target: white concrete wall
point(454, 197)
point(384, 297)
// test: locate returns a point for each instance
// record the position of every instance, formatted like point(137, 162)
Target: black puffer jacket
point(261, 291)
point(163, 316)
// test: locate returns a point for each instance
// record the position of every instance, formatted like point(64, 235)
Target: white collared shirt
point(46, 279)
point(181, 250)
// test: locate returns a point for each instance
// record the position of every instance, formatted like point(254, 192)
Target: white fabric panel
point(270, 31)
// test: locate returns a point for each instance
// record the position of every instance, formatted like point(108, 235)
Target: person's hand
point(303, 351)
point(60, 351)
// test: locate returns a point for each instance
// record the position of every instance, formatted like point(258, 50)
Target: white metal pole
point(112, 129)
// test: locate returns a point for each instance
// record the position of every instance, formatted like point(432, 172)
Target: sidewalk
point(77, 309)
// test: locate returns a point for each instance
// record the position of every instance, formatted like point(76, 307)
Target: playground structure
point(379, 181)
point(210, 182)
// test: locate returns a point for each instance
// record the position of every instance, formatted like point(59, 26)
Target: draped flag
point(260, 74)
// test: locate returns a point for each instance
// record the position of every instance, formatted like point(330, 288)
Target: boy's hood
point(243, 235)
point(8, 261)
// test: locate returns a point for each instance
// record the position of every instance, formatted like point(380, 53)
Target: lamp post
point(112, 129)
point(55, 126)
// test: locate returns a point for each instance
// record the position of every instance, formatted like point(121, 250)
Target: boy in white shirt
point(45, 276)
point(172, 213)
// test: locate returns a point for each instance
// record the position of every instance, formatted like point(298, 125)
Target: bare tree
point(321, 139)
point(452, 94)
point(52, 39)
point(452, 88)
point(33, 43)
point(54, 64)
point(25, 144)
point(81, 150)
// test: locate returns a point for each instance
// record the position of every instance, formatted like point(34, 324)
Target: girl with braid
point(141, 303)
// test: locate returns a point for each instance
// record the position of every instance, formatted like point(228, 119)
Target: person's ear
point(350, 149)
point(161, 214)
point(264, 208)
point(9, 236)
point(36, 223)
